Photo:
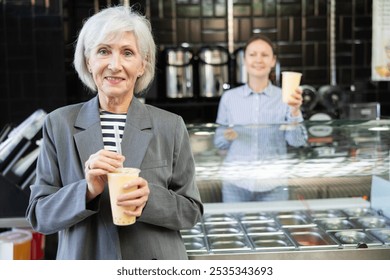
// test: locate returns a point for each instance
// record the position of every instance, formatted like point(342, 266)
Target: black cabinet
point(15, 183)
point(196, 110)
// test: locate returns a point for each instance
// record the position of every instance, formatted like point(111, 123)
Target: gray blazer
point(155, 141)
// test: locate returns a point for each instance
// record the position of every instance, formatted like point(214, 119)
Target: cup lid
point(127, 170)
point(15, 236)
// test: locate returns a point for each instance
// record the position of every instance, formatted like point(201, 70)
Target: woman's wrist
point(295, 112)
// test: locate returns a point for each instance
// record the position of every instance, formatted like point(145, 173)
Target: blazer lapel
point(89, 139)
point(137, 134)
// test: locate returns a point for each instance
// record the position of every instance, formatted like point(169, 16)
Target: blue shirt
point(241, 106)
point(264, 128)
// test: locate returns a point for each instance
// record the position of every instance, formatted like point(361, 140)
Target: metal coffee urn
point(241, 76)
point(179, 72)
point(213, 71)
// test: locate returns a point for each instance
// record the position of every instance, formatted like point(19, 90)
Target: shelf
point(19, 222)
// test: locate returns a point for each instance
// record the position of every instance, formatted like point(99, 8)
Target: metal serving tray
point(195, 244)
point(312, 238)
point(256, 216)
point(360, 212)
point(260, 227)
point(372, 222)
point(354, 238)
point(293, 220)
point(327, 214)
point(196, 230)
point(271, 241)
point(223, 228)
point(382, 234)
point(223, 243)
point(219, 218)
point(330, 224)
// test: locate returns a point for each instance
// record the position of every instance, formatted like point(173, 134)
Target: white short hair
point(111, 22)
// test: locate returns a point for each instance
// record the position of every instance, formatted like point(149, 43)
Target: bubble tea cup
point(116, 182)
point(290, 82)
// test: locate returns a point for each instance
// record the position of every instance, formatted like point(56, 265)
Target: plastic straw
point(117, 139)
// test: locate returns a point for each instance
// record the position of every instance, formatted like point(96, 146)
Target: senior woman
point(115, 57)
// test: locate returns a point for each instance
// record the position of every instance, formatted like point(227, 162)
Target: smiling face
point(115, 65)
point(259, 59)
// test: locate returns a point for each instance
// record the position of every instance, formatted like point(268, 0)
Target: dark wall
point(32, 74)
point(301, 31)
point(36, 47)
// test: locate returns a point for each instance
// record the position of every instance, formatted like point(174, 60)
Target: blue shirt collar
point(247, 91)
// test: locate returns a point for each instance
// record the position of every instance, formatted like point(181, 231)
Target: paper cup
point(116, 181)
point(290, 82)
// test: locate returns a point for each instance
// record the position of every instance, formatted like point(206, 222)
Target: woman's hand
point(230, 134)
point(96, 169)
point(295, 102)
point(135, 199)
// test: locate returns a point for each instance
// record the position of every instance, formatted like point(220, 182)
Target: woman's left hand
point(136, 198)
point(295, 102)
point(230, 134)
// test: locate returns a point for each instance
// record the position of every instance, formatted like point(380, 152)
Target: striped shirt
point(108, 121)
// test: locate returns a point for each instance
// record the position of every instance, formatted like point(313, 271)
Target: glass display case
point(301, 191)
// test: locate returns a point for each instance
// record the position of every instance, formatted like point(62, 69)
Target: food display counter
point(330, 171)
point(330, 213)
point(345, 228)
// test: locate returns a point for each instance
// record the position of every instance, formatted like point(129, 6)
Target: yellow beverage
point(116, 181)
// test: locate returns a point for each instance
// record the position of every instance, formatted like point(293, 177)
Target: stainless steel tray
point(272, 241)
point(223, 228)
point(360, 212)
point(327, 214)
point(289, 231)
point(312, 238)
point(223, 243)
point(293, 220)
point(355, 238)
point(260, 227)
point(382, 234)
point(195, 244)
point(372, 222)
point(331, 224)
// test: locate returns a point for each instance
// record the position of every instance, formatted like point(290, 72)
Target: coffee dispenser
point(179, 72)
point(241, 76)
point(213, 71)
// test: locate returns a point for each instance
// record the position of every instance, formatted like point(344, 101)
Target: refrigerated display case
point(327, 169)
